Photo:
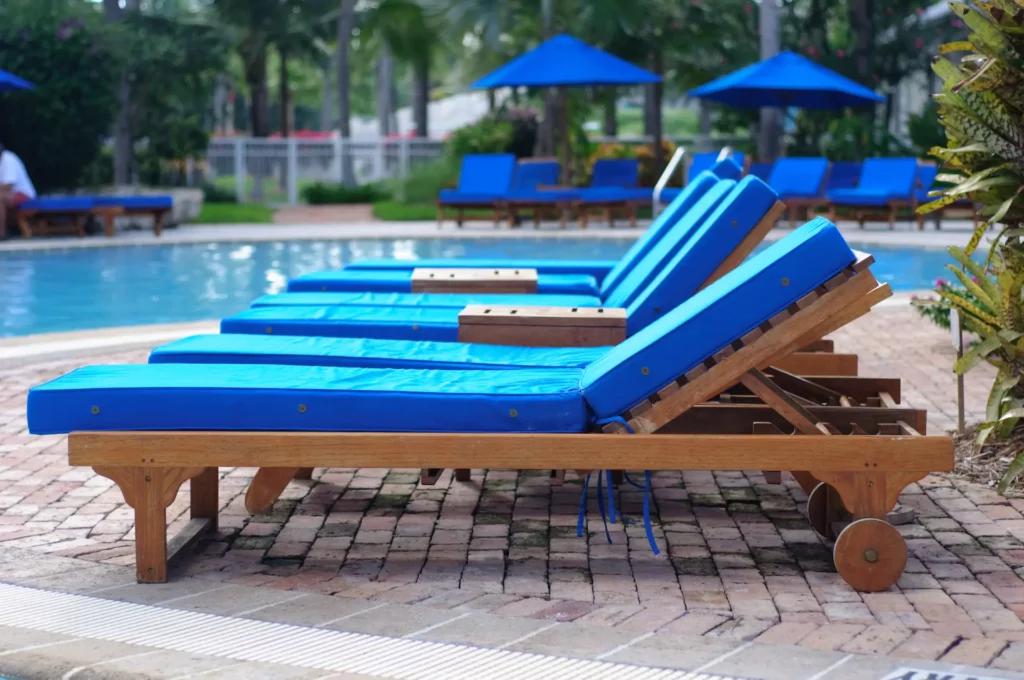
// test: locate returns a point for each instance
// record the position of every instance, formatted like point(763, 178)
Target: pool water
point(53, 290)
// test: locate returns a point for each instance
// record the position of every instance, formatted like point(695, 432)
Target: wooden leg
point(557, 477)
point(158, 223)
point(108, 223)
point(632, 215)
point(78, 222)
point(892, 218)
point(205, 496)
point(24, 226)
point(149, 491)
point(304, 473)
point(462, 475)
point(266, 486)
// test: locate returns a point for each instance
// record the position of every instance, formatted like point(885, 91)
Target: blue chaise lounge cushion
point(391, 281)
point(307, 399)
point(435, 300)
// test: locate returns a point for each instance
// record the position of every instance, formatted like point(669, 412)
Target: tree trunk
point(385, 75)
point(657, 66)
point(610, 125)
point(546, 136)
point(283, 94)
point(770, 137)
point(862, 22)
point(421, 95)
point(704, 141)
point(491, 101)
point(326, 102)
point(346, 22)
point(124, 152)
point(254, 57)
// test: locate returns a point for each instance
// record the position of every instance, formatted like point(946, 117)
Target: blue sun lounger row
point(152, 427)
point(40, 212)
point(674, 268)
point(558, 277)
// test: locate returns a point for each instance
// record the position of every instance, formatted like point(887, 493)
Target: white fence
point(275, 170)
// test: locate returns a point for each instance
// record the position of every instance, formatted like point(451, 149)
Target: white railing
point(275, 170)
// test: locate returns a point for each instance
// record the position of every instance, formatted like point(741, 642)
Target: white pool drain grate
point(280, 643)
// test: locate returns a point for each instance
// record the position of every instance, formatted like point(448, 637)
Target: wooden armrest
point(468, 280)
point(542, 326)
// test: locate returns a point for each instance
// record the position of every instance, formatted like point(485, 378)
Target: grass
point(675, 123)
point(235, 213)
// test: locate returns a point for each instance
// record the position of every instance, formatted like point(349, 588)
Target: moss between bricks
point(337, 530)
point(490, 518)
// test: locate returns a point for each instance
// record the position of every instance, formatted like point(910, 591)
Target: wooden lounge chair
point(800, 183)
point(886, 186)
point(109, 208)
point(53, 215)
point(483, 180)
point(735, 331)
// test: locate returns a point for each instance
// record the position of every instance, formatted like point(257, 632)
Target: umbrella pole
point(563, 114)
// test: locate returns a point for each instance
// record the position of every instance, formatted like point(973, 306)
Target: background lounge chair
point(483, 180)
point(886, 186)
point(800, 183)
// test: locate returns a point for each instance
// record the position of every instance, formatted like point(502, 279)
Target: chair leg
point(78, 222)
point(303, 473)
point(632, 216)
point(108, 224)
point(205, 496)
point(462, 475)
point(158, 223)
point(266, 487)
point(24, 226)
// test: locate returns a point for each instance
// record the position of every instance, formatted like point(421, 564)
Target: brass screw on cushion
point(269, 330)
point(302, 408)
point(645, 371)
point(95, 410)
point(785, 281)
point(512, 412)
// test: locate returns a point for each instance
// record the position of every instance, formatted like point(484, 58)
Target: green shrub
point(423, 184)
point(213, 193)
point(57, 128)
point(489, 135)
point(334, 194)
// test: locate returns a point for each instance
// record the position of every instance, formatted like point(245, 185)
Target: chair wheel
point(823, 511)
point(870, 555)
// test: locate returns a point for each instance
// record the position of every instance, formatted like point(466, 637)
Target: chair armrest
point(467, 280)
point(542, 326)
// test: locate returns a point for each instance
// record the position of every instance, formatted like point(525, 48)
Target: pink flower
point(725, 60)
point(920, 11)
point(889, 11)
point(974, 278)
point(940, 283)
point(812, 51)
point(919, 43)
point(748, 8)
point(840, 53)
point(913, 297)
point(957, 23)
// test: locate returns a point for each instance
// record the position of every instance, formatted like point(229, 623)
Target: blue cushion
point(926, 174)
point(712, 242)
point(684, 227)
point(723, 312)
point(457, 197)
point(391, 281)
point(541, 195)
point(437, 300)
point(486, 173)
point(135, 202)
point(596, 268)
point(615, 172)
point(307, 399)
point(798, 177)
point(531, 174)
point(762, 171)
point(366, 353)
point(893, 178)
point(705, 161)
point(58, 204)
point(679, 206)
point(862, 197)
point(844, 175)
point(399, 323)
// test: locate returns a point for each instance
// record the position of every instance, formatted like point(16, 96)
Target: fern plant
point(981, 106)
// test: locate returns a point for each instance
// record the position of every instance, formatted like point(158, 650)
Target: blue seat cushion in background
point(396, 281)
point(483, 174)
point(399, 323)
point(798, 177)
point(307, 399)
point(58, 204)
point(596, 268)
point(134, 202)
point(366, 353)
point(437, 300)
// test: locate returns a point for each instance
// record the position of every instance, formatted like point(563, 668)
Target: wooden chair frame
point(25, 217)
point(867, 471)
point(109, 213)
point(497, 212)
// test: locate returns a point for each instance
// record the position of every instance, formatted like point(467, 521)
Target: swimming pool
point(51, 290)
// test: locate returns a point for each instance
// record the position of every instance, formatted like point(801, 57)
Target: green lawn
point(675, 122)
point(393, 211)
point(235, 213)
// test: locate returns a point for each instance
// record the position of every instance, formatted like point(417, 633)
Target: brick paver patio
point(738, 562)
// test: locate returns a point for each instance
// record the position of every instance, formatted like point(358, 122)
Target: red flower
point(812, 51)
point(920, 11)
point(919, 43)
point(940, 283)
point(840, 53)
point(957, 23)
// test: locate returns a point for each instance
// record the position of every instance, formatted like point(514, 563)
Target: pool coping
point(260, 233)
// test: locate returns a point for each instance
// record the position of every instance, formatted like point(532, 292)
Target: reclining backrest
point(683, 228)
point(680, 205)
point(486, 173)
point(615, 172)
point(844, 175)
point(892, 176)
point(720, 314)
point(798, 177)
point(709, 246)
point(704, 161)
point(761, 171)
point(926, 174)
point(531, 174)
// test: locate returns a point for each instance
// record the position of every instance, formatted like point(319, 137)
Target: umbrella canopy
point(565, 61)
point(786, 80)
point(9, 81)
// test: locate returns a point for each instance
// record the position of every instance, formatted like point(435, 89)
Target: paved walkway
point(741, 580)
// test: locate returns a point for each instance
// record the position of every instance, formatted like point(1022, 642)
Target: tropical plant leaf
point(976, 290)
point(932, 206)
point(976, 270)
point(960, 46)
point(976, 354)
point(1012, 473)
point(967, 307)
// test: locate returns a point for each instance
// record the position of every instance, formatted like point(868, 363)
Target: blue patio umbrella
point(564, 61)
point(9, 81)
point(786, 80)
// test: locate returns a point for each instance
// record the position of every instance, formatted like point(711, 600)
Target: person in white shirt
point(15, 186)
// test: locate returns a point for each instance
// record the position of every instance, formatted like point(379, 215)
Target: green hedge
point(333, 194)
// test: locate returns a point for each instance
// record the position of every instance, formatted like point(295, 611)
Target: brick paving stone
point(832, 636)
point(877, 639)
point(924, 644)
point(786, 633)
point(1012, 658)
point(974, 652)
